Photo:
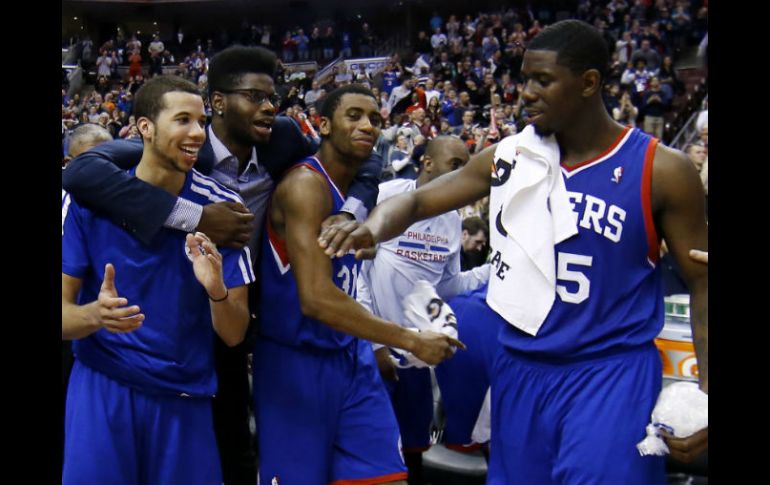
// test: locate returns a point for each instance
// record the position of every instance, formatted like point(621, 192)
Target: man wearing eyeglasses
point(247, 149)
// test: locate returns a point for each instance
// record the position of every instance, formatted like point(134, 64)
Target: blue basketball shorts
point(412, 398)
point(324, 416)
point(118, 435)
point(464, 379)
point(577, 423)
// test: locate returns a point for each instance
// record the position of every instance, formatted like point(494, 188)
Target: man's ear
point(217, 102)
point(592, 82)
point(325, 126)
point(427, 163)
point(146, 127)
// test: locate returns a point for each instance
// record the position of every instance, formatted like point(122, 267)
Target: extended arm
point(390, 218)
point(98, 179)
point(678, 208)
point(300, 203)
point(679, 212)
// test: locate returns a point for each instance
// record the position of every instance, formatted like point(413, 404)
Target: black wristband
point(227, 293)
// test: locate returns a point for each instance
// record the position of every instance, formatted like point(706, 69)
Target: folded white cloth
point(425, 310)
point(682, 410)
point(535, 214)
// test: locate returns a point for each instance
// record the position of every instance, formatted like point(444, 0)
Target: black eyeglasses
point(255, 96)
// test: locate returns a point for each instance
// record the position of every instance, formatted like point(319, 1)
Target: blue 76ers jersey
point(281, 317)
point(609, 293)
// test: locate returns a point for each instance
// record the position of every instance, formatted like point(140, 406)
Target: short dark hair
point(227, 66)
point(149, 98)
point(332, 100)
point(474, 224)
point(578, 46)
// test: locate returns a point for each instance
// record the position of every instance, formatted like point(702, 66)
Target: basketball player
point(140, 393)
point(570, 402)
point(323, 415)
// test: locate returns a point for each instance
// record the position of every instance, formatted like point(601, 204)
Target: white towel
point(425, 310)
point(536, 215)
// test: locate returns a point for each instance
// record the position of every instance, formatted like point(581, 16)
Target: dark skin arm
point(390, 218)
point(679, 213)
point(300, 203)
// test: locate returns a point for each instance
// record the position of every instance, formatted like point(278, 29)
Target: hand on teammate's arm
point(227, 224)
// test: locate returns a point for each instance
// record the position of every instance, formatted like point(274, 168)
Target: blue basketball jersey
point(173, 351)
point(609, 289)
point(281, 317)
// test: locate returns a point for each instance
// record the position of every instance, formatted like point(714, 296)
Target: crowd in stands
point(461, 77)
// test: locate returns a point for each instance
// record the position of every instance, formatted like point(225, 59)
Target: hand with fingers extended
point(114, 314)
point(686, 450)
point(337, 239)
point(434, 348)
point(227, 224)
point(207, 264)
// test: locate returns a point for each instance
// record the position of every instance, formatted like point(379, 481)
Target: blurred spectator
point(155, 50)
point(288, 47)
point(655, 106)
point(104, 63)
point(465, 130)
point(401, 159)
point(636, 79)
point(328, 43)
point(134, 63)
point(625, 113)
point(438, 40)
point(650, 56)
point(423, 44)
point(625, 47)
point(366, 41)
point(474, 243)
point(314, 44)
point(346, 45)
point(669, 79)
point(314, 94)
point(303, 45)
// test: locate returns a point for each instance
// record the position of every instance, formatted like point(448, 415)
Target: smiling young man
point(140, 393)
point(323, 415)
point(571, 399)
point(247, 149)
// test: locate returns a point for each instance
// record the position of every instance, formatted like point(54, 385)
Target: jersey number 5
point(563, 273)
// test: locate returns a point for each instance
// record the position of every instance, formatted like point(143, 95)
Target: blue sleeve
point(366, 184)
point(74, 256)
point(98, 179)
point(237, 267)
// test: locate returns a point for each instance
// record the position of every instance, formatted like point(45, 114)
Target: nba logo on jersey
point(274, 481)
point(616, 174)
